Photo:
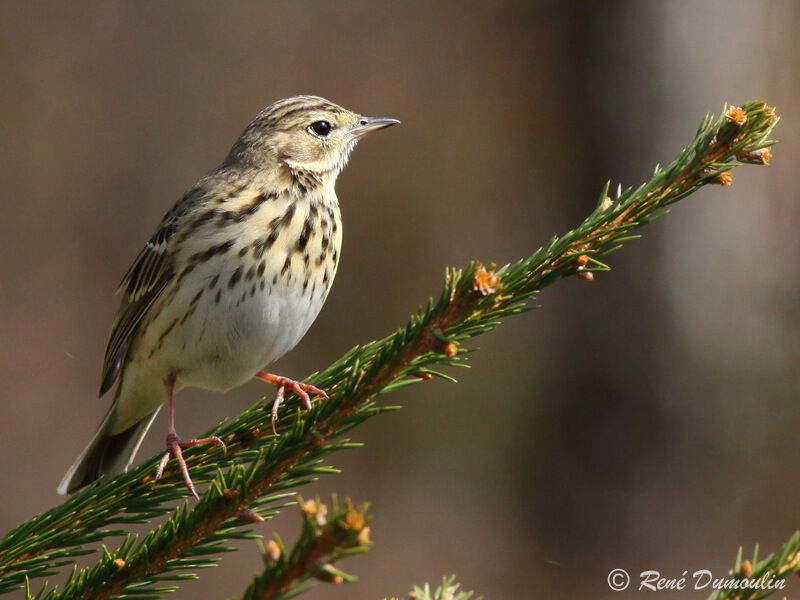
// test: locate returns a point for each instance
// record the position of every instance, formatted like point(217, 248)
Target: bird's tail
point(107, 453)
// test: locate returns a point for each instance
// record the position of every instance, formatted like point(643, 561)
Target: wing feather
point(142, 285)
point(152, 271)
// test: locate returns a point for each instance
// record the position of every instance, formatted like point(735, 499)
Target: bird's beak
point(367, 124)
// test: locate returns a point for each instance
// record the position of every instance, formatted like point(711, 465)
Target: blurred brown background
point(646, 421)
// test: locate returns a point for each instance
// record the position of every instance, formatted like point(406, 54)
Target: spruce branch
point(260, 468)
point(448, 590)
point(327, 537)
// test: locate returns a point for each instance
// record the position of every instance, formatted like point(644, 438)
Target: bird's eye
point(320, 128)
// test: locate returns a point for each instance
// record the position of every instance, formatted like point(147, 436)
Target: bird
point(233, 277)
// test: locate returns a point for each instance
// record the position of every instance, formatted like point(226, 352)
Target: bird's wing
point(144, 282)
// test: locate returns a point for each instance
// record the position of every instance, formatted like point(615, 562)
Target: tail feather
point(106, 454)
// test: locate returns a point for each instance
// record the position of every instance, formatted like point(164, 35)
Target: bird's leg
point(284, 383)
point(174, 443)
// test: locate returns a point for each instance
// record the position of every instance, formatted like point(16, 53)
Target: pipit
point(232, 279)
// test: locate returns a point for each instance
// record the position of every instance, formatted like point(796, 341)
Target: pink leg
point(284, 383)
point(174, 443)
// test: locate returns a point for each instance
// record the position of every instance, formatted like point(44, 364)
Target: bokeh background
point(646, 421)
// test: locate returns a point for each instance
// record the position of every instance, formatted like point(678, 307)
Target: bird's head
point(305, 133)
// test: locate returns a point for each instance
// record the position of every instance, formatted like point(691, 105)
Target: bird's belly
point(244, 339)
point(233, 332)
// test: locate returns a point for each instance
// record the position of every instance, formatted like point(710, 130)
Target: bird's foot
point(174, 446)
point(284, 383)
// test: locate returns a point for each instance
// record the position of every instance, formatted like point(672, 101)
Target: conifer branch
point(260, 467)
point(325, 540)
point(448, 590)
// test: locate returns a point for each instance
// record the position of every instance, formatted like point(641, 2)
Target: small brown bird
point(234, 276)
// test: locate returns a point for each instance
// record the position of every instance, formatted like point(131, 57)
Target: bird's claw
point(284, 383)
point(174, 449)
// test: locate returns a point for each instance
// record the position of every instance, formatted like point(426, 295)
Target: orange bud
point(736, 115)
point(354, 520)
point(272, 550)
point(363, 536)
point(485, 282)
point(328, 574)
point(745, 569)
point(443, 346)
point(310, 507)
point(249, 516)
point(725, 179)
point(763, 156)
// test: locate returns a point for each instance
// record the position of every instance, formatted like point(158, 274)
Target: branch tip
point(249, 516)
point(328, 574)
point(724, 179)
point(363, 536)
point(485, 282)
point(736, 116)
point(745, 570)
point(761, 156)
point(272, 551)
point(316, 510)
